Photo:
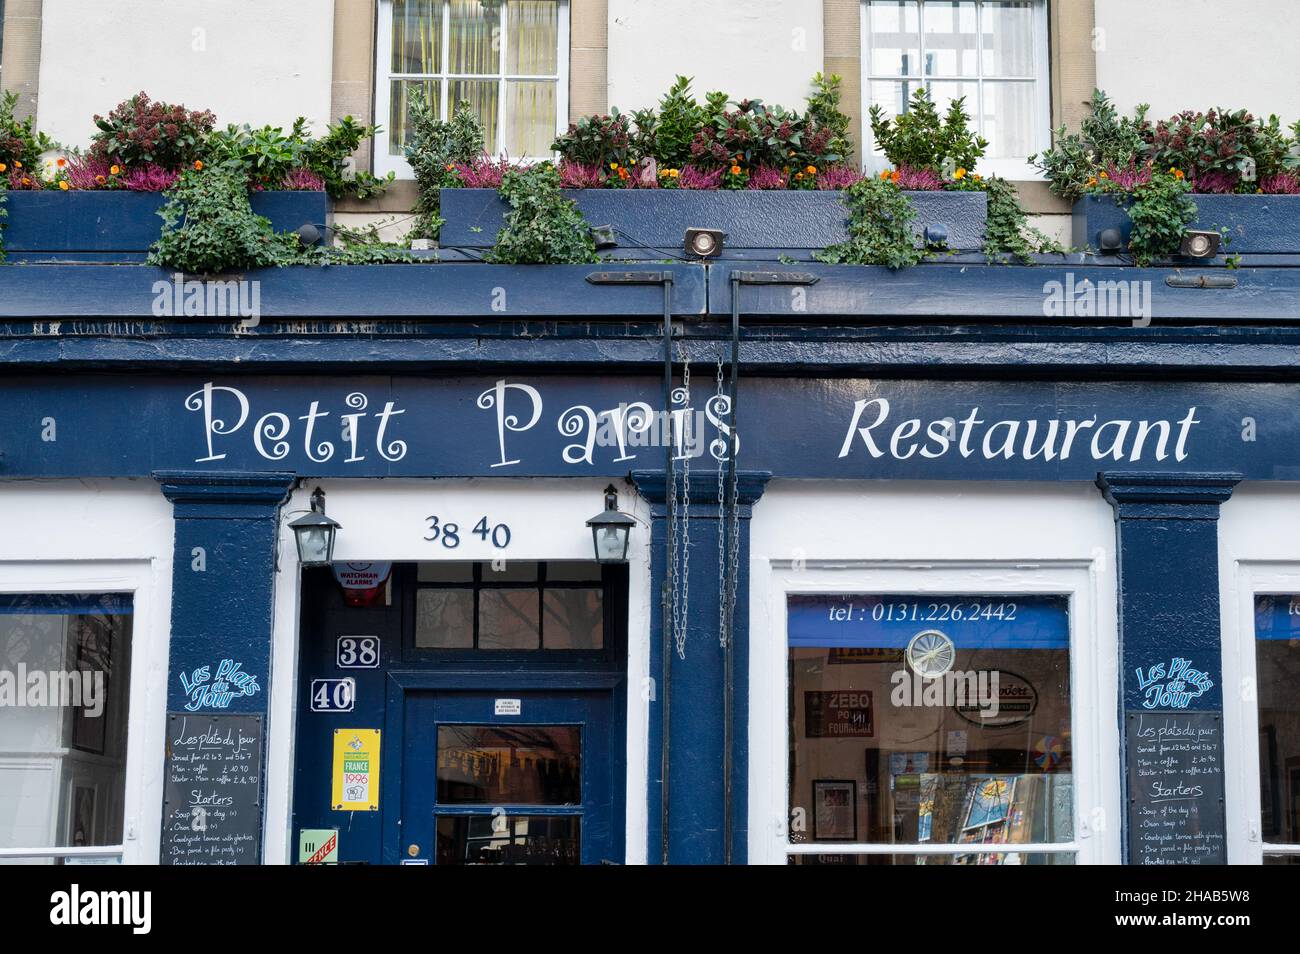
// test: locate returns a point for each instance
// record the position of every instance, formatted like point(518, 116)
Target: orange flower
point(811, 170)
point(960, 173)
point(17, 164)
point(1092, 180)
point(115, 169)
point(884, 176)
point(895, 176)
point(100, 179)
point(976, 176)
point(26, 181)
point(2, 167)
point(63, 186)
point(735, 170)
point(62, 162)
point(1178, 173)
point(1102, 175)
point(451, 166)
point(198, 165)
point(622, 173)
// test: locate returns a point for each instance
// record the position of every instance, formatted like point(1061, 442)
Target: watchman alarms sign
point(318, 846)
point(356, 770)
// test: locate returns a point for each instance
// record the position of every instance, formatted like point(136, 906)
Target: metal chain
point(722, 516)
point(686, 502)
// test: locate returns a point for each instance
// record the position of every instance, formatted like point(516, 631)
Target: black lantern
point(315, 533)
point(610, 530)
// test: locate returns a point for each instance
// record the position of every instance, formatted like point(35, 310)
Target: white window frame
point(1093, 691)
point(1016, 168)
point(384, 162)
point(1241, 709)
point(142, 797)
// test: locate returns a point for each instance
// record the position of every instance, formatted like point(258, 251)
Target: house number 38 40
point(448, 533)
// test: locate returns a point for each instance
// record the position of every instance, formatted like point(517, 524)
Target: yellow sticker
point(356, 770)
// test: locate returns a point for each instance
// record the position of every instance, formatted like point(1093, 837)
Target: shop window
point(1277, 672)
point(64, 686)
point(942, 723)
point(994, 53)
point(508, 59)
point(523, 606)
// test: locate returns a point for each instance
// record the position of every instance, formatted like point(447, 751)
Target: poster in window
point(94, 661)
point(835, 816)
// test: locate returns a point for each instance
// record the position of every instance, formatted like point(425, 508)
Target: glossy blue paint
point(1254, 223)
point(695, 690)
point(120, 225)
point(222, 587)
point(365, 292)
point(656, 220)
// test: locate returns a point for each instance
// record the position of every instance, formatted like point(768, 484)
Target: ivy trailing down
point(435, 150)
point(1161, 211)
point(542, 227)
point(880, 228)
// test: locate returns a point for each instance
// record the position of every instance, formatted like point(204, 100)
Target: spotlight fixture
point(936, 235)
point(1197, 244)
point(308, 234)
point(705, 243)
point(1110, 241)
point(603, 236)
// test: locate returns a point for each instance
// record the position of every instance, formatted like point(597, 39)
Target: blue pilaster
point(695, 694)
point(1168, 571)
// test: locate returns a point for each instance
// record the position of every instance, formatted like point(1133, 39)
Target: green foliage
point(542, 227)
point(19, 139)
point(4, 213)
point(1006, 231)
point(1161, 212)
point(434, 149)
point(138, 131)
point(268, 154)
point(920, 139)
point(680, 118)
point(880, 228)
point(598, 141)
point(209, 227)
point(824, 112)
point(1104, 139)
point(328, 158)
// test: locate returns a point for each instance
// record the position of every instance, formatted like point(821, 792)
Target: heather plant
point(918, 138)
point(577, 175)
point(837, 177)
point(1104, 139)
point(435, 148)
point(484, 172)
point(693, 177)
point(138, 131)
point(766, 177)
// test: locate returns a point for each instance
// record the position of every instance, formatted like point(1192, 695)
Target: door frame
point(478, 680)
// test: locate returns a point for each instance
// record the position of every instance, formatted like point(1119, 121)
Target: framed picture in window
point(94, 663)
point(835, 814)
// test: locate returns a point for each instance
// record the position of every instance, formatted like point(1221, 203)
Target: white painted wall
point(764, 49)
point(246, 60)
point(1196, 54)
point(385, 520)
point(106, 536)
point(914, 537)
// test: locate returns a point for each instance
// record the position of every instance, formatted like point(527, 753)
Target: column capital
point(1149, 496)
point(703, 487)
point(201, 491)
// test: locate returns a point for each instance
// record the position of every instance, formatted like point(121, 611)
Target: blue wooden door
point(507, 778)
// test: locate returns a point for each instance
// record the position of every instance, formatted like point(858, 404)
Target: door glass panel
point(509, 840)
point(574, 618)
point(936, 719)
point(509, 765)
point(1277, 670)
point(508, 619)
point(444, 619)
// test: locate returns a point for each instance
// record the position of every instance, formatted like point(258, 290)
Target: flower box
point(1259, 224)
point(119, 226)
point(650, 223)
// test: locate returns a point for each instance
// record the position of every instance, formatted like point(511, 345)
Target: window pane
point(417, 36)
point(530, 117)
point(399, 108)
point(942, 720)
point(514, 571)
point(532, 37)
point(508, 619)
point(950, 39)
point(64, 684)
point(1009, 119)
point(514, 765)
point(445, 573)
point(483, 97)
point(444, 619)
point(509, 840)
point(472, 31)
point(575, 619)
point(1277, 672)
point(1008, 39)
point(895, 38)
point(1002, 858)
point(944, 92)
point(577, 571)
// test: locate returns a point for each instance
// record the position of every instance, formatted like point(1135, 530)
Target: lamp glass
point(315, 545)
point(611, 543)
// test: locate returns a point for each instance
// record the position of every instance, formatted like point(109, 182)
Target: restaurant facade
point(660, 560)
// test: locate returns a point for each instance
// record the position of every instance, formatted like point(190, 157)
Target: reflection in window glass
point(444, 619)
point(509, 840)
point(509, 765)
point(64, 683)
point(930, 720)
point(508, 619)
point(573, 618)
point(1277, 672)
point(991, 858)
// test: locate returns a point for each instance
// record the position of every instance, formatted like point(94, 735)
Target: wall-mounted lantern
point(315, 533)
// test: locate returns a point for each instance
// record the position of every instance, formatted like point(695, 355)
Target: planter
point(119, 226)
point(1260, 224)
point(652, 222)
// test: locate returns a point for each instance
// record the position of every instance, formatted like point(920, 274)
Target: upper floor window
point(993, 52)
point(507, 58)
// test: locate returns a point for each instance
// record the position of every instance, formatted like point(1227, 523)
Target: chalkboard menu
point(1175, 788)
point(212, 799)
